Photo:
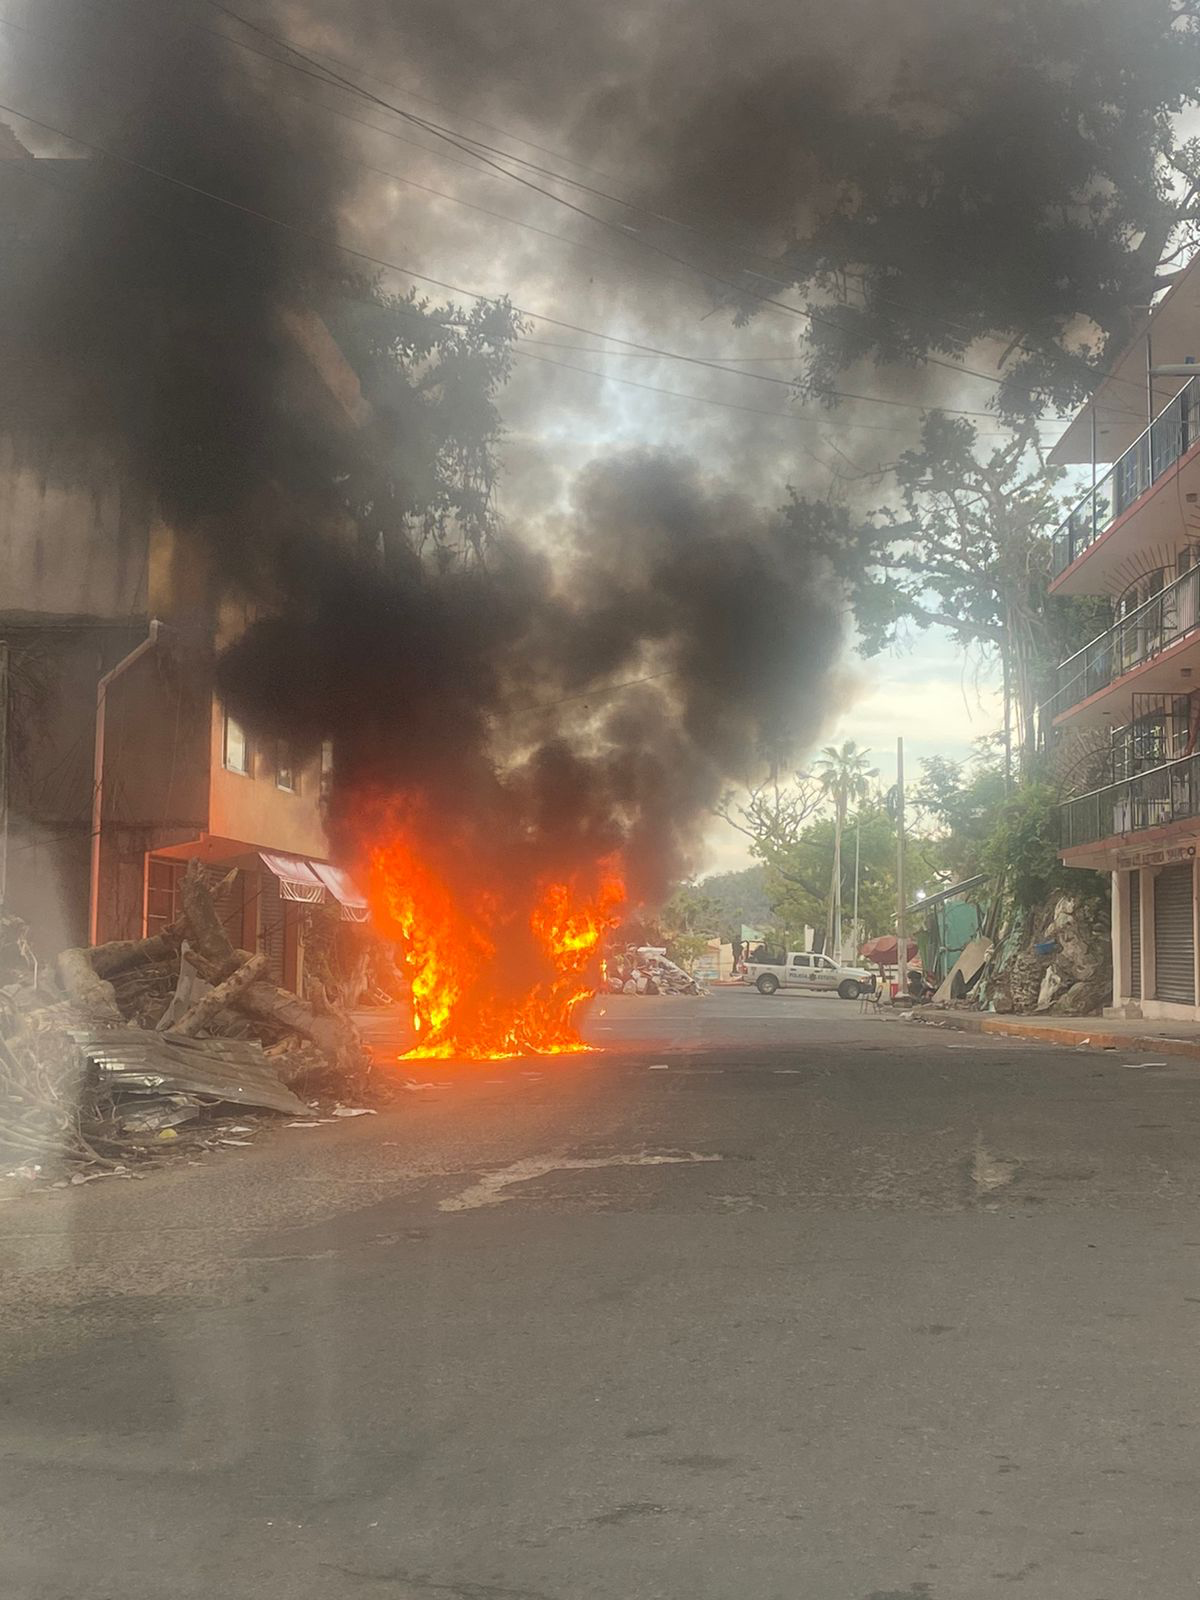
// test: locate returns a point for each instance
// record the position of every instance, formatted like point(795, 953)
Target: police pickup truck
point(808, 973)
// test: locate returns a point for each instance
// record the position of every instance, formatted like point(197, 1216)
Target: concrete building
point(117, 762)
point(1128, 703)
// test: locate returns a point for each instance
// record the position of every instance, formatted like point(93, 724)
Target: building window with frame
point(236, 747)
point(285, 770)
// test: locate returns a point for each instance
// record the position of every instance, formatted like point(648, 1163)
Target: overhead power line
point(329, 241)
point(313, 68)
point(456, 140)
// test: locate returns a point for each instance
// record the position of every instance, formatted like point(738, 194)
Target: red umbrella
point(884, 951)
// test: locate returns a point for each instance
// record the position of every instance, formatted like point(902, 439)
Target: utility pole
point(901, 935)
point(833, 923)
point(857, 847)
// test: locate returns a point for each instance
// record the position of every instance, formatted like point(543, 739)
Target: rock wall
point(1062, 965)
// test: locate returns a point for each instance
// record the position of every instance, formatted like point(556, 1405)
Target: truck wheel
point(767, 984)
point(850, 989)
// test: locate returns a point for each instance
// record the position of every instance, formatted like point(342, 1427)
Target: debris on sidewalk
point(110, 1056)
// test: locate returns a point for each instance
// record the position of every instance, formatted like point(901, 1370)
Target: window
point(826, 961)
point(237, 747)
point(801, 961)
point(285, 771)
point(163, 899)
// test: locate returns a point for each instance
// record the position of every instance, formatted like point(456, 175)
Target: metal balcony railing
point(1168, 437)
point(1164, 794)
point(1158, 622)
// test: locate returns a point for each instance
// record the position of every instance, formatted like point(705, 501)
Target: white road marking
point(659, 1066)
point(489, 1190)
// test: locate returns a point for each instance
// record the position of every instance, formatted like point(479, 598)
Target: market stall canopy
point(884, 951)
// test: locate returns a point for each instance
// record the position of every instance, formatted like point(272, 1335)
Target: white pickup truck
point(808, 973)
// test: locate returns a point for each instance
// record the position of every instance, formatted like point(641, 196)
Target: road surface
point(770, 1301)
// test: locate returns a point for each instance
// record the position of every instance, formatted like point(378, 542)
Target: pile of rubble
point(105, 1057)
point(644, 970)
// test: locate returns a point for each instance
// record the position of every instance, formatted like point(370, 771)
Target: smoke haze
point(158, 336)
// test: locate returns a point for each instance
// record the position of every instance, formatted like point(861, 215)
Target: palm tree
point(845, 777)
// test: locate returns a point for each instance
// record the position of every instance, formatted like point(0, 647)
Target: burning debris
point(81, 1086)
point(498, 964)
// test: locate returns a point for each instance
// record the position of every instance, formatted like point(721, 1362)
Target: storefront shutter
point(1174, 941)
point(1135, 935)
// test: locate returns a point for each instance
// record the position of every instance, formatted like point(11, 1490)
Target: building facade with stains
point(118, 763)
point(1124, 717)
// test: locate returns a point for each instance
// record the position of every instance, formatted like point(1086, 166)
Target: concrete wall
point(155, 780)
point(251, 808)
point(73, 539)
point(53, 672)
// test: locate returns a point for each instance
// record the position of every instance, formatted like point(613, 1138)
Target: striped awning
point(340, 886)
point(297, 880)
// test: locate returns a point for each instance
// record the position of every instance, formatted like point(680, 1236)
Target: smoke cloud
point(156, 334)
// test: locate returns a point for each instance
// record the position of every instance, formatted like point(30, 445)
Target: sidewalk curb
point(1097, 1038)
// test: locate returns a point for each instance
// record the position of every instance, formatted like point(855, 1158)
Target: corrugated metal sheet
point(234, 1070)
point(1174, 940)
point(1135, 935)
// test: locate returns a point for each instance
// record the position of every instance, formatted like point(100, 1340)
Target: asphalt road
point(769, 1301)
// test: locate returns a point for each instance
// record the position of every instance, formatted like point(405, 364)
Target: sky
point(598, 97)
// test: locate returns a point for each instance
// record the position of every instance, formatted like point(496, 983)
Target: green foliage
point(690, 910)
point(1030, 185)
point(967, 550)
point(740, 899)
point(421, 476)
point(685, 949)
point(956, 806)
point(1023, 849)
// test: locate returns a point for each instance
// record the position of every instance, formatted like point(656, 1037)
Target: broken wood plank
point(204, 1010)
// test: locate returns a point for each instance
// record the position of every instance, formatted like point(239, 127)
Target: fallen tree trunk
point(85, 989)
point(204, 1010)
point(205, 933)
point(336, 1036)
point(121, 955)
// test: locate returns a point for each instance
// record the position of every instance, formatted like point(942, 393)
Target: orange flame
point(498, 968)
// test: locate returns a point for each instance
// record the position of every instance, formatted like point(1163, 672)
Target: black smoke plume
point(560, 705)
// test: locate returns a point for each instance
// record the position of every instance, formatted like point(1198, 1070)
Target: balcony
point(1149, 457)
point(1169, 793)
point(1138, 638)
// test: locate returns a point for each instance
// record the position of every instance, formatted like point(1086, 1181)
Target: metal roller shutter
point(1135, 935)
point(271, 926)
point(1174, 942)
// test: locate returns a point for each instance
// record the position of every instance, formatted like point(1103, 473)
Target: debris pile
point(647, 971)
point(106, 1055)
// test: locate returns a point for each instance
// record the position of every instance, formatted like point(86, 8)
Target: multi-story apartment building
point(1129, 701)
point(118, 763)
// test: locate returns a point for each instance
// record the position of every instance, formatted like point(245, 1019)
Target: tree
point(690, 921)
point(969, 553)
point(421, 478)
point(740, 898)
point(959, 803)
point(844, 776)
point(774, 812)
point(1027, 183)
